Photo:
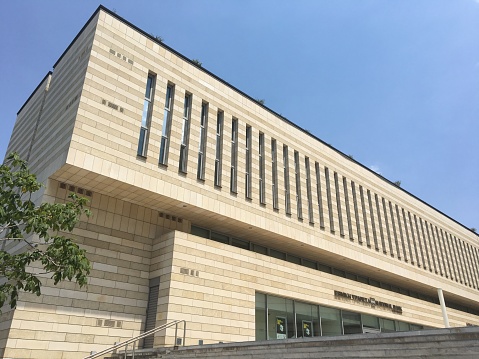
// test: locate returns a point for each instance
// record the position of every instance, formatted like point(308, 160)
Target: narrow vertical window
point(262, 182)
point(365, 217)
point(297, 176)
point(319, 195)
point(356, 212)
point(393, 224)
point(451, 255)
point(413, 239)
point(146, 116)
point(380, 223)
point(274, 166)
point(440, 249)
point(185, 134)
point(249, 139)
point(202, 146)
point(388, 232)
point(403, 242)
point(425, 246)
point(373, 225)
point(234, 156)
point(308, 190)
point(328, 195)
point(419, 241)
point(348, 209)
point(457, 257)
point(286, 180)
point(447, 251)
point(338, 205)
point(431, 248)
point(219, 147)
point(411, 257)
point(166, 129)
point(445, 258)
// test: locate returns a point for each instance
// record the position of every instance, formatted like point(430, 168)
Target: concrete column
point(443, 308)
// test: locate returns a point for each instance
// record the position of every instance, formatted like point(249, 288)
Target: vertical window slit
point(356, 212)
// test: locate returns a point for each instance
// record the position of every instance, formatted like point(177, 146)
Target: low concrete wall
point(436, 343)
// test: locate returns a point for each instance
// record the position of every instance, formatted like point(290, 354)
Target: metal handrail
point(141, 336)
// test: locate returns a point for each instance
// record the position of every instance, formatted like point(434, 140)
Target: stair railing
point(141, 336)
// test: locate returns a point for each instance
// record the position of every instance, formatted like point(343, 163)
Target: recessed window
point(287, 200)
point(166, 129)
point(185, 134)
point(274, 179)
point(234, 156)
point(146, 116)
point(297, 176)
point(202, 146)
point(262, 186)
point(248, 158)
point(219, 147)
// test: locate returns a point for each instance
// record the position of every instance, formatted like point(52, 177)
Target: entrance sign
point(373, 302)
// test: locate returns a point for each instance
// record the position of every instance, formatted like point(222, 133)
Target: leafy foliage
point(39, 228)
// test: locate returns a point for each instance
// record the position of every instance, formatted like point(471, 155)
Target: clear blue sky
point(393, 83)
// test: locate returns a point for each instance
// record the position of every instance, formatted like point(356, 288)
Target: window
point(262, 186)
point(286, 180)
point(297, 176)
point(248, 162)
point(219, 147)
point(165, 132)
point(234, 156)
point(338, 205)
point(185, 134)
point(146, 117)
point(308, 190)
point(274, 166)
point(328, 195)
point(202, 147)
point(319, 195)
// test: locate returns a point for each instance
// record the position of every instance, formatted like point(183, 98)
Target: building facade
point(209, 207)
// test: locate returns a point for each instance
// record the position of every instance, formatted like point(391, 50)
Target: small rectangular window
point(219, 147)
point(146, 116)
point(202, 146)
point(262, 186)
point(200, 232)
point(234, 156)
point(248, 168)
point(274, 179)
point(166, 129)
point(277, 254)
point(286, 180)
point(218, 237)
point(239, 243)
point(297, 176)
point(185, 134)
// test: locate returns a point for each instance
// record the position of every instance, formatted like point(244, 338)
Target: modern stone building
point(211, 208)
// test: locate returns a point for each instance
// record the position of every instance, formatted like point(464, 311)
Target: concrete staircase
point(436, 343)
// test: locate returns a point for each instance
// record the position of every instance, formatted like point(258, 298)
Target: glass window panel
point(370, 322)
point(307, 321)
point(330, 321)
point(240, 243)
point(200, 232)
point(339, 273)
point(324, 268)
point(362, 279)
point(309, 264)
point(260, 316)
point(218, 237)
point(260, 249)
point(352, 323)
point(293, 259)
point(277, 254)
point(280, 318)
point(402, 326)
point(387, 325)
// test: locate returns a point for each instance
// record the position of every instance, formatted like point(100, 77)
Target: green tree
point(39, 227)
